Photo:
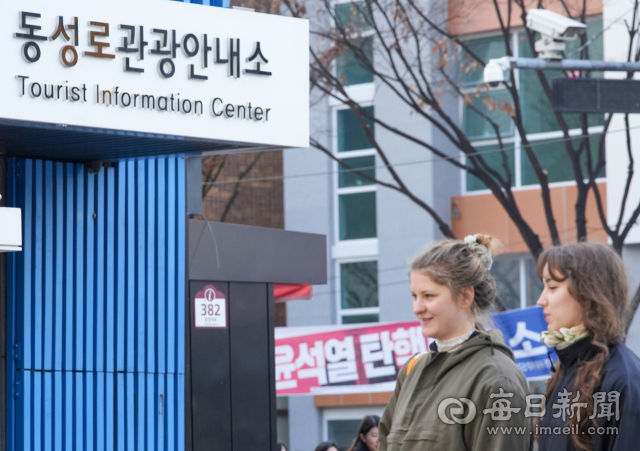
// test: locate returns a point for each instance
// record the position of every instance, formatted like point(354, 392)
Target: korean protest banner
point(341, 359)
point(521, 331)
point(367, 358)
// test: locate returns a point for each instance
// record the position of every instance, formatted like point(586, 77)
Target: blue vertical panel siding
point(96, 307)
point(220, 3)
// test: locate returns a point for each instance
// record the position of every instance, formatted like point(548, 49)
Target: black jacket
point(621, 374)
point(360, 447)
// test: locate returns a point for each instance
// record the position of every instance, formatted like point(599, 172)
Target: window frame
point(357, 250)
point(346, 414)
point(363, 249)
point(335, 182)
point(522, 260)
point(340, 312)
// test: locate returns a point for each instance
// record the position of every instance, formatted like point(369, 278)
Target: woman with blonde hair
point(593, 396)
point(466, 393)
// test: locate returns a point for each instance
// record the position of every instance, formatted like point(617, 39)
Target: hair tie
point(482, 251)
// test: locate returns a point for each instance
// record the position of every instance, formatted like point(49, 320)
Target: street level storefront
point(99, 104)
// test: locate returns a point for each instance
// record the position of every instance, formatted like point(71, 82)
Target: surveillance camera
point(554, 25)
point(494, 71)
point(554, 30)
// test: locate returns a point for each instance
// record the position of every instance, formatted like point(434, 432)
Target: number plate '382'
point(210, 308)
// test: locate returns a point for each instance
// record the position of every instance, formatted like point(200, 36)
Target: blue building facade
point(96, 307)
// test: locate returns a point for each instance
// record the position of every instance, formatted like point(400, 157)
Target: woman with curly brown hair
point(446, 399)
point(593, 396)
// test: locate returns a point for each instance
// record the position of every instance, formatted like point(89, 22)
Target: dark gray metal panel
point(193, 166)
point(250, 387)
point(271, 316)
point(210, 380)
point(3, 315)
point(219, 251)
point(188, 393)
point(596, 95)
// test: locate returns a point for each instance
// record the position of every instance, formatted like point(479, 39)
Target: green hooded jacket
point(478, 369)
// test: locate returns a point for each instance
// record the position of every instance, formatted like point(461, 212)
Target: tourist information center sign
point(156, 66)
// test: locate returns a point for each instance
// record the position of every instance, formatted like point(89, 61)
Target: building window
point(494, 159)
point(359, 292)
point(355, 19)
point(354, 16)
point(552, 155)
point(349, 66)
point(340, 424)
point(357, 215)
point(351, 135)
point(356, 195)
point(348, 178)
point(543, 131)
point(342, 432)
point(476, 127)
point(485, 49)
point(517, 280)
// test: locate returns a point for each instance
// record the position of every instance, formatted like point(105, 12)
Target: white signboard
point(157, 66)
point(210, 308)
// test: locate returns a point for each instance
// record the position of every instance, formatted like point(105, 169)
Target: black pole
point(3, 312)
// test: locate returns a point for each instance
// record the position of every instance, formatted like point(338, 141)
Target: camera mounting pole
point(494, 69)
point(540, 64)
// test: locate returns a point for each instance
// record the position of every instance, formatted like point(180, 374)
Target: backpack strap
point(414, 360)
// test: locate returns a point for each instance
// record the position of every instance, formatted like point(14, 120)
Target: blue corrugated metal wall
point(96, 307)
point(221, 3)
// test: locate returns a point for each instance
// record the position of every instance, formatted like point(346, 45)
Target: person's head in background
point(367, 437)
point(280, 447)
point(326, 446)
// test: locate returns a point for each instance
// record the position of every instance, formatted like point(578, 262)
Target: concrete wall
point(305, 424)
point(308, 206)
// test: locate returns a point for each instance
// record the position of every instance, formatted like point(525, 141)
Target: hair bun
point(484, 247)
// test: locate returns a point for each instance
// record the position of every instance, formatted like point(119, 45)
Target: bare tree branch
point(236, 187)
point(633, 307)
point(212, 167)
point(444, 227)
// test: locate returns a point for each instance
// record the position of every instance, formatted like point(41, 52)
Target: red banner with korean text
point(344, 359)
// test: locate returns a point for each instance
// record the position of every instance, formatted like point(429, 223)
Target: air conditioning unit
point(10, 229)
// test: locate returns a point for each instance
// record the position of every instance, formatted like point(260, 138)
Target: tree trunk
point(633, 307)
